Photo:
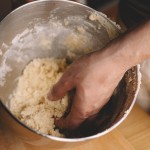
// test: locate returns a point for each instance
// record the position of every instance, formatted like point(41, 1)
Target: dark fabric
point(133, 12)
point(17, 3)
point(96, 4)
point(6, 6)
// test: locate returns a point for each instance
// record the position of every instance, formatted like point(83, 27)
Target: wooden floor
point(132, 134)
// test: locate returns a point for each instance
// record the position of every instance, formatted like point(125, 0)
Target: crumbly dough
point(29, 102)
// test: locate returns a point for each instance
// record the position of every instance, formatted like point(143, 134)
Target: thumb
point(60, 89)
point(76, 116)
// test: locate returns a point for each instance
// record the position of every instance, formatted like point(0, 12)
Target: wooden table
point(132, 134)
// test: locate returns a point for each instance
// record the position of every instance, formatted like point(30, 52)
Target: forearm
point(136, 44)
point(129, 49)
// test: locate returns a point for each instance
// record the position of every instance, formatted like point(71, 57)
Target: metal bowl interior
point(44, 29)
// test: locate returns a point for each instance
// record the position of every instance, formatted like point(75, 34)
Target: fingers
point(81, 110)
point(72, 123)
point(85, 107)
point(60, 88)
point(75, 117)
point(69, 122)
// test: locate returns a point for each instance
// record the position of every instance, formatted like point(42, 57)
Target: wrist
point(133, 47)
point(128, 50)
point(113, 56)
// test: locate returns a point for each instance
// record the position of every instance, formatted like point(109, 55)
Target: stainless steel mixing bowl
point(45, 29)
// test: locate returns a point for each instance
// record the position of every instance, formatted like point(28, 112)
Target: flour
point(29, 102)
point(4, 69)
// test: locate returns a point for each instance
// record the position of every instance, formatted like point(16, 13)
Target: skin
point(95, 76)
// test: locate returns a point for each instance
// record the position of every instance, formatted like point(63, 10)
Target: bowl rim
point(60, 139)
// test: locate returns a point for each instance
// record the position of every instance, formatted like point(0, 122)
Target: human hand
point(94, 77)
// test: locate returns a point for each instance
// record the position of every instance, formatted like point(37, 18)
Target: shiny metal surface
point(20, 42)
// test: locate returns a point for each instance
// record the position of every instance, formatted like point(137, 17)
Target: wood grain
point(132, 134)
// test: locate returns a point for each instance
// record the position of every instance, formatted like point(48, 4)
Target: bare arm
point(95, 76)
